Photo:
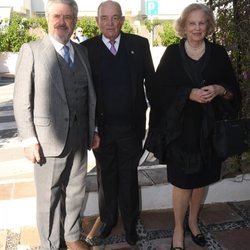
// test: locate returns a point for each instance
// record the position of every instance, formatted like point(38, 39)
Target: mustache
point(61, 27)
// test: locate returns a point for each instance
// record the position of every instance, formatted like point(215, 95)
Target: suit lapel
point(53, 69)
point(83, 58)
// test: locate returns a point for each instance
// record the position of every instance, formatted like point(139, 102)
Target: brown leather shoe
point(77, 245)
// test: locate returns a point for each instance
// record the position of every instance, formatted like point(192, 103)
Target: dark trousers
point(117, 161)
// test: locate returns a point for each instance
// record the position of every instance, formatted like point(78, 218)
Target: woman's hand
point(198, 95)
point(207, 93)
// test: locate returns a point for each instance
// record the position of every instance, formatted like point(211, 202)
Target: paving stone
point(234, 239)
point(161, 244)
point(144, 179)
point(24, 190)
point(91, 183)
point(159, 176)
point(87, 223)
point(6, 191)
point(29, 236)
point(157, 219)
point(244, 206)
point(17, 177)
point(3, 238)
point(217, 213)
point(8, 154)
point(155, 231)
point(13, 237)
point(120, 246)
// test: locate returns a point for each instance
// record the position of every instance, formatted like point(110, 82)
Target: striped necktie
point(66, 56)
point(112, 48)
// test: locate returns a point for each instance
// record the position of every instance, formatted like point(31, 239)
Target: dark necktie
point(112, 48)
point(66, 56)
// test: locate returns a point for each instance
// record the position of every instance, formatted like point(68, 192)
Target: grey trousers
point(60, 187)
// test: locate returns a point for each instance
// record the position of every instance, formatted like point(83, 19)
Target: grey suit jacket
point(40, 104)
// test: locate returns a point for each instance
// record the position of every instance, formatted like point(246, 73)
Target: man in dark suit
point(121, 65)
point(54, 106)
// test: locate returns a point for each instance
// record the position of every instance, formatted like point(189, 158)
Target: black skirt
point(191, 161)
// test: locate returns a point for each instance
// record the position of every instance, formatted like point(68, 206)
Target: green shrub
point(151, 24)
point(127, 28)
point(168, 35)
point(232, 31)
point(155, 43)
point(38, 22)
point(89, 26)
point(14, 35)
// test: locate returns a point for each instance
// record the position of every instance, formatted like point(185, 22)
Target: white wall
point(17, 4)
point(167, 8)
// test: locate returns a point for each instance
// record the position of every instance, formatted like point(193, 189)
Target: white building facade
point(162, 9)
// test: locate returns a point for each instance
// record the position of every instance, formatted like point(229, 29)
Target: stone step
point(155, 193)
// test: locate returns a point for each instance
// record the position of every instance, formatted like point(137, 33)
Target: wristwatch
point(225, 92)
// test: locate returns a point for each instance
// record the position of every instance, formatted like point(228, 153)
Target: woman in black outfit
point(193, 87)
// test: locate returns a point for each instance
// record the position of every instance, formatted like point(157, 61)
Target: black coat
point(141, 70)
point(173, 83)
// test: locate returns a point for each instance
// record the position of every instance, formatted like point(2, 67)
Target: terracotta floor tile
point(7, 154)
point(120, 246)
point(234, 240)
point(158, 219)
point(24, 189)
point(3, 238)
point(246, 206)
point(161, 244)
point(18, 177)
point(87, 223)
point(217, 213)
point(29, 236)
point(6, 191)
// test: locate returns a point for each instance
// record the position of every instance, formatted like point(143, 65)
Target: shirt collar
point(107, 43)
point(59, 47)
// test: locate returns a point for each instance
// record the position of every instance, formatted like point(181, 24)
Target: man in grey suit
point(54, 106)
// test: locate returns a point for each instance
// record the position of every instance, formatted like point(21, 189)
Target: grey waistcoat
point(76, 89)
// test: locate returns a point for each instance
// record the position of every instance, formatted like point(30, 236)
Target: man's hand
point(33, 153)
point(96, 141)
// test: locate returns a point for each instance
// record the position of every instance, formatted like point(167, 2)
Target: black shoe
point(131, 237)
point(198, 239)
point(105, 230)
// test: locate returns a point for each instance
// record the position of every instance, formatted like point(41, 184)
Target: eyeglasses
point(67, 18)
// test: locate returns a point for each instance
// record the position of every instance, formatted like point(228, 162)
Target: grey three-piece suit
point(56, 105)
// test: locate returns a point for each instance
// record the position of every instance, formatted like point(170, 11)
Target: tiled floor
point(225, 225)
